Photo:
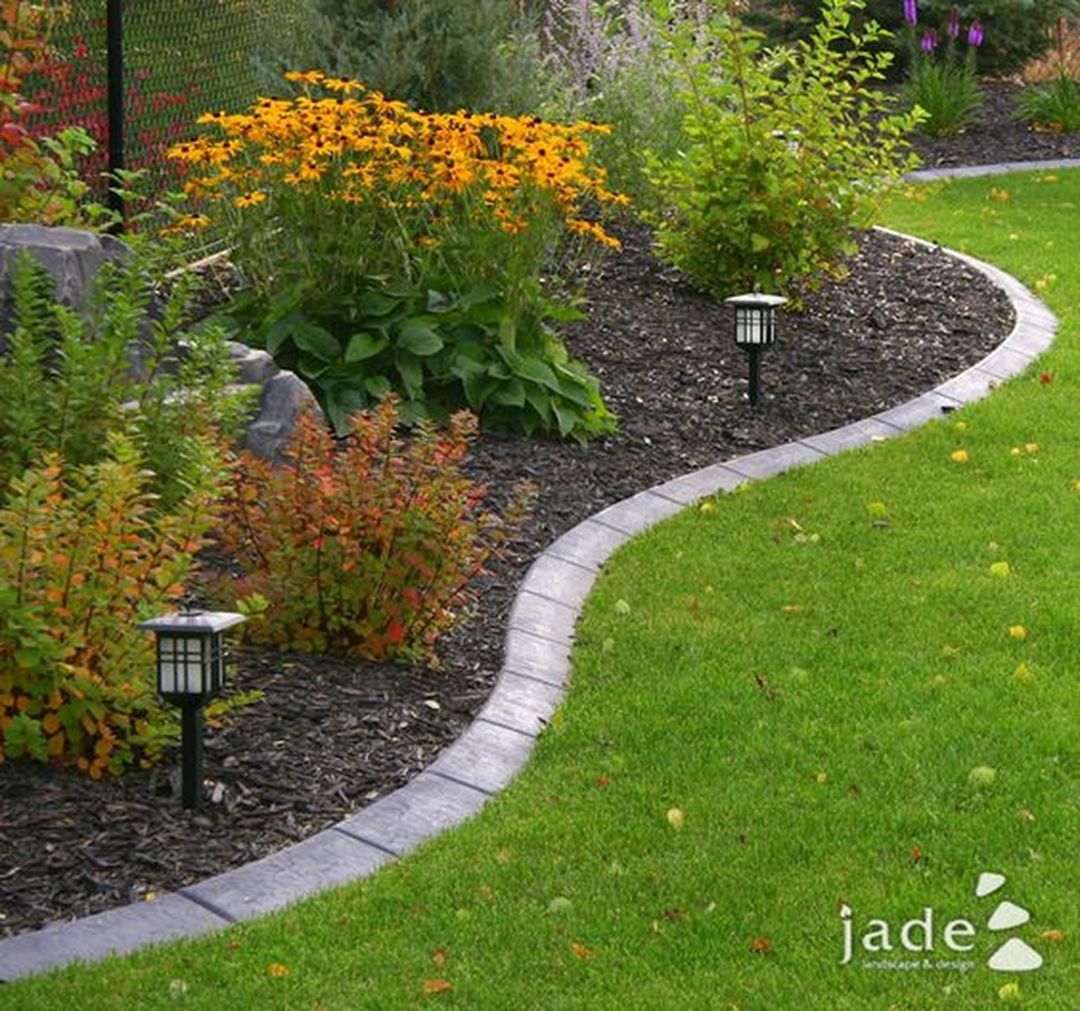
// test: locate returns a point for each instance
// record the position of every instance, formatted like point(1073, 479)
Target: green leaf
point(540, 402)
point(478, 387)
point(411, 370)
point(311, 367)
point(377, 386)
point(419, 338)
point(530, 367)
point(511, 394)
point(567, 418)
point(317, 341)
point(364, 345)
point(282, 331)
point(375, 303)
point(758, 243)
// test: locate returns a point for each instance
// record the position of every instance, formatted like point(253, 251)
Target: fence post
point(114, 34)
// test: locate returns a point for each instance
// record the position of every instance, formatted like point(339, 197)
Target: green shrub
point(86, 553)
point(367, 546)
point(416, 252)
point(788, 151)
point(439, 55)
point(1017, 30)
point(1053, 106)
point(66, 380)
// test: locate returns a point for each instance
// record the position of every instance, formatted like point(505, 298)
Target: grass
point(784, 714)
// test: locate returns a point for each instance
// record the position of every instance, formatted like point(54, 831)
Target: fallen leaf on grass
point(559, 904)
point(1023, 673)
point(433, 986)
point(622, 607)
point(276, 970)
point(676, 818)
point(602, 781)
point(999, 570)
point(581, 951)
point(1018, 632)
point(959, 455)
point(1046, 378)
point(982, 775)
point(1055, 936)
point(1004, 196)
point(438, 956)
point(1024, 815)
point(761, 945)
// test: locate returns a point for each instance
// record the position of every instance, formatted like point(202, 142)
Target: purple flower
point(911, 13)
point(975, 34)
point(928, 42)
point(954, 23)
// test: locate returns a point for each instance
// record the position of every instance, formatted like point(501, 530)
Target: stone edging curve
point(536, 666)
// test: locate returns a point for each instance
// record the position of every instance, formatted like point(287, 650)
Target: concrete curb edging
point(530, 685)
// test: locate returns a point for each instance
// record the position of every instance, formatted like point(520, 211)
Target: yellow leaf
point(1004, 196)
point(1018, 632)
point(276, 970)
point(1010, 991)
point(822, 777)
point(581, 951)
point(432, 986)
point(676, 817)
point(1056, 936)
point(1014, 452)
point(1031, 447)
point(1024, 673)
point(1000, 570)
point(959, 455)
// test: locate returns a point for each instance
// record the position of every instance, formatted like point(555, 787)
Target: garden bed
point(330, 736)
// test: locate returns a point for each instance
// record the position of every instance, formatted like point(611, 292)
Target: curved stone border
point(530, 685)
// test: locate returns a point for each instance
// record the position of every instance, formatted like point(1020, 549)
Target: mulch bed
point(331, 735)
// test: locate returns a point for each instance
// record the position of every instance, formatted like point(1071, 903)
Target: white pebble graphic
point(988, 883)
point(1007, 915)
point(1015, 956)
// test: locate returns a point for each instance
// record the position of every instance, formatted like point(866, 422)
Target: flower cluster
point(928, 41)
point(355, 146)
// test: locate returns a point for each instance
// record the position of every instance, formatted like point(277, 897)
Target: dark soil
point(997, 135)
point(332, 735)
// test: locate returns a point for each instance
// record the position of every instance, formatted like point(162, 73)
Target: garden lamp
point(191, 659)
point(755, 330)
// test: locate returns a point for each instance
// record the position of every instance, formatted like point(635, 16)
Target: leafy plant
point(943, 85)
point(68, 378)
point(368, 546)
point(39, 176)
point(440, 55)
point(788, 150)
point(394, 250)
point(1054, 105)
point(85, 553)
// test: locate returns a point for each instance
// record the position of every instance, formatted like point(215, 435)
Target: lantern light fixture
point(191, 658)
point(755, 330)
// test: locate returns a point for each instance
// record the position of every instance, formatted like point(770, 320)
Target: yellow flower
point(250, 199)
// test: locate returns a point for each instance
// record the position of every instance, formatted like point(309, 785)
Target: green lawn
point(796, 697)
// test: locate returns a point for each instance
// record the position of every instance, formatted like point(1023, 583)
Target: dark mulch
point(332, 735)
point(997, 135)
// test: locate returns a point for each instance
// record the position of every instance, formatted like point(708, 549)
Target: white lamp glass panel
point(167, 664)
point(754, 326)
point(194, 665)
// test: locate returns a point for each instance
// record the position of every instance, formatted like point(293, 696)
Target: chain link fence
point(179, 58)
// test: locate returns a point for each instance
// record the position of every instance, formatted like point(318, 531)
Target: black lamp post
point(755, 330)
point(190, 669)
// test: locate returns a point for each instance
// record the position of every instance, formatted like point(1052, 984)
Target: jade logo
point(895, 946)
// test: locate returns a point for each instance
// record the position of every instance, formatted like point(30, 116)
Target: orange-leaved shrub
point(86, 553)
point(364, 545)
